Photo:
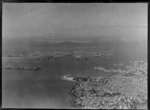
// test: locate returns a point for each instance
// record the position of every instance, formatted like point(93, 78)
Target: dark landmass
point(22, 68)
point(79, 55)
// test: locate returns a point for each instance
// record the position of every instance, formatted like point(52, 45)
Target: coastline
point(117, 90)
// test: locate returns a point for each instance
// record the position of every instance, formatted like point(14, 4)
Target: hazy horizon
point(75, 22)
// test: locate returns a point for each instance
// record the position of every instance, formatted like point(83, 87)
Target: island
point(22, 68)
point(79, 55)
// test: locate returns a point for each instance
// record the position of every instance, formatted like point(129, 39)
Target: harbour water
point(45, 88)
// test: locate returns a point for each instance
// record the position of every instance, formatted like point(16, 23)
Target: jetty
point(67, 77)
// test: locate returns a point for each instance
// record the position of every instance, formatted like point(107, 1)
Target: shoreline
point(91, 92)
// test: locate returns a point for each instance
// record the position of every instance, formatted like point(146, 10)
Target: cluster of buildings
point(114, 92)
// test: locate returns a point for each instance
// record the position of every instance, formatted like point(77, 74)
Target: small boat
point(37, 68)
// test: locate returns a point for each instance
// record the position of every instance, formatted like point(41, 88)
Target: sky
point(66, 21)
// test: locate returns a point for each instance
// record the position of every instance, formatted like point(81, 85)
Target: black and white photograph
point(74, 55)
